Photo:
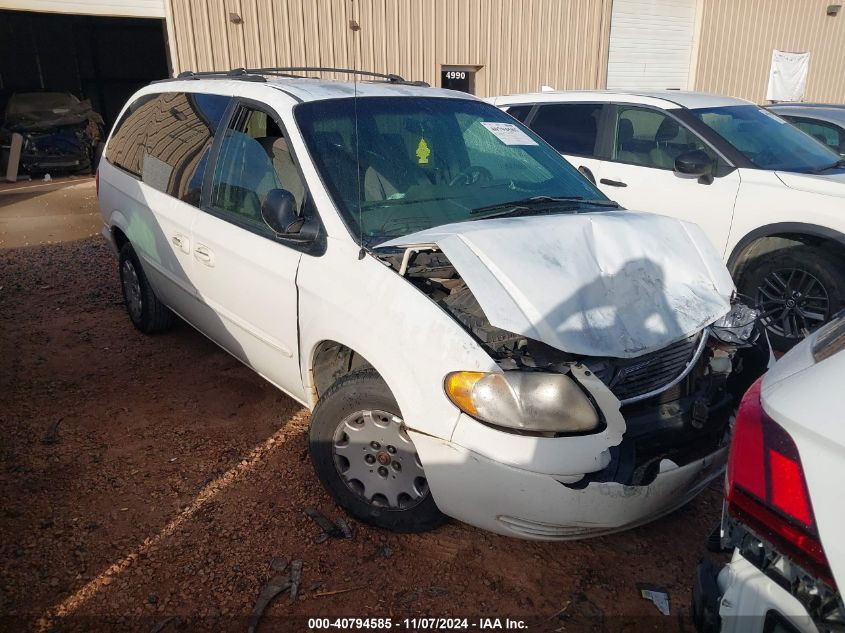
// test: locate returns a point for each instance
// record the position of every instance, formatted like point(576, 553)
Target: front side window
point(179, 139)
point(824, 132)
point(254, 158)
point(651, 138)
point(571, 128)
point(429, 161)
point(766, 140)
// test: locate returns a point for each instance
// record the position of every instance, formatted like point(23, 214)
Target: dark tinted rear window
point(519, 112)
point(126, 147)
point(569, 128)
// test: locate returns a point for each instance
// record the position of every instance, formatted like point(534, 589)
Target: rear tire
point(146, 312)
point(797, 288)
point(365, 459)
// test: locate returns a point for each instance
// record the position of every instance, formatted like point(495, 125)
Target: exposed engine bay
point(677, 401)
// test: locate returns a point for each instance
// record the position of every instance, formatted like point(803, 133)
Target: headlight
point(736, 326)
point(530, 401)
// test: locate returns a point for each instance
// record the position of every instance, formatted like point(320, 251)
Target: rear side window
point(520, 112)
point(571, 128)
point(178, 142)
point(126, 147)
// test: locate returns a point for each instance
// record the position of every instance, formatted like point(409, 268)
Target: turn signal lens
point(459, 386)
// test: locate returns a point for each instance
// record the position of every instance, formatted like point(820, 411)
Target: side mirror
point(694, 163)
point(279, 212)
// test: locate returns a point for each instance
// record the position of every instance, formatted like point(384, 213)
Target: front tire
point(365, 458)
point(797, 290)
point(146, 312)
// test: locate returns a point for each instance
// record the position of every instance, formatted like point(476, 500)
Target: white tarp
point(788, 76)
point(610, 283)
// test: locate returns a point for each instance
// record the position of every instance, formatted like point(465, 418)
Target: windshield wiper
point(520, 206)
point(839, 163)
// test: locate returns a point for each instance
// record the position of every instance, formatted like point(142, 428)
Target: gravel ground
point(147, 477)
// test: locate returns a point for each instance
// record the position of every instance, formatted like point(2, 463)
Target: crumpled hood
point(828, 184)
point(610, 283)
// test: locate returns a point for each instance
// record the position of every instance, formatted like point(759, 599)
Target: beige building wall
point(736, 40)
point(518, 45)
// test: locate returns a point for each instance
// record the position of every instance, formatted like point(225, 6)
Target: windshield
point(424, 162)
point(766, 140)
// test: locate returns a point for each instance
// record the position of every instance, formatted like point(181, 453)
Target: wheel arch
point(118, 237)
point(328, 361)
point(767, 238)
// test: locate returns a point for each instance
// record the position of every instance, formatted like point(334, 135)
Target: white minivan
point(770, 197)
point(478, 330)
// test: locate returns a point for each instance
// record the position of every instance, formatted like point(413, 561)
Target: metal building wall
point(520, 44)
point(737, 37)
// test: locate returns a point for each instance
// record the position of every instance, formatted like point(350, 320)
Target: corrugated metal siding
point(737, 38)
point(520, 44)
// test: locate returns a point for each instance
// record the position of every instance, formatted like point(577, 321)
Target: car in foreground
point(769, 197)
point(478, 330)
point(824, 122)
point(783, 515)
point(60, 132)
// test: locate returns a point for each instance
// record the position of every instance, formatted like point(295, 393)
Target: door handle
point(204, 254)
point(612, 183)
point(181, 242)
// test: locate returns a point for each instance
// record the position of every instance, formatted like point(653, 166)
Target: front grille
point(632, 377)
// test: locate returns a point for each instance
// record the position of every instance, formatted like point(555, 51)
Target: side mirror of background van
point(695, 163)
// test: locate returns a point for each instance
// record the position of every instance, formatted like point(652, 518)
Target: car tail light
point(97, 181)
point(766, 490)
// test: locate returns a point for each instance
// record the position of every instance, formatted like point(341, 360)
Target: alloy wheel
point(793, 302)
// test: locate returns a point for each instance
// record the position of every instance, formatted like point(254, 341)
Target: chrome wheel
point(793, 302)
point(131, 290)
point(377, 460)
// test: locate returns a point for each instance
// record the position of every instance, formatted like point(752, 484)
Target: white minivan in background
point(478, 330)
point(770, 197)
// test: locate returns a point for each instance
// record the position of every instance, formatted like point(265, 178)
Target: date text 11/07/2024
point(417, 624)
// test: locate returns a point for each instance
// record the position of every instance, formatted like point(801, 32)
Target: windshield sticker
point(423, 152)
point(508, 133)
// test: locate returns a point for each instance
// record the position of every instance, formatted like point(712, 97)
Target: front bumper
point(526, 504)
point(740, 598)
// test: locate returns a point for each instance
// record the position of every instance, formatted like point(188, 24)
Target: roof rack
point(259, 74)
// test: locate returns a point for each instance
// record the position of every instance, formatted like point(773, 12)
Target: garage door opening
point(651, 43)
point(104, 59)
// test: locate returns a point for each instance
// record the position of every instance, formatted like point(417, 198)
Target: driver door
point(245, 276)
point(640, 174)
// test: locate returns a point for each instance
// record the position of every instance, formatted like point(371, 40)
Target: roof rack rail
point(258, 74)
point(237, 73)
point(392, 78)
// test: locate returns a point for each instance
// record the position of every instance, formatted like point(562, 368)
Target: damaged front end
point(676, 400)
